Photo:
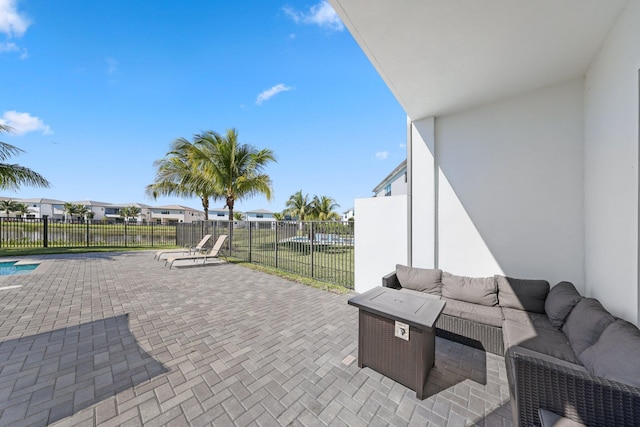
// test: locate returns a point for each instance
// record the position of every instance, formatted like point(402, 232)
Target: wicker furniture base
point(407, 362)
point(474, 334)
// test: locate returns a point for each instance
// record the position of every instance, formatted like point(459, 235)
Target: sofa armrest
point(391, 281)
point(538, 381)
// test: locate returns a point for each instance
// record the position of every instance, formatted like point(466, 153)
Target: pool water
point(8, 268)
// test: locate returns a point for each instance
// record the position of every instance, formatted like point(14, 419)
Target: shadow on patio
point(49, 376)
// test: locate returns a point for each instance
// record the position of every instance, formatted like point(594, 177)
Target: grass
point(329, 287)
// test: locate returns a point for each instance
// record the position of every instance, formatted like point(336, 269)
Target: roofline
point(397, 170)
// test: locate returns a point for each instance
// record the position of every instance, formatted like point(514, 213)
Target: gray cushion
point(535, 320)
point(615, 354)
point(470, 289)
point(419, 279)
point(550, 342)
point(560, 301)
point(523, 294)
point(473, 312)
point(585, 323)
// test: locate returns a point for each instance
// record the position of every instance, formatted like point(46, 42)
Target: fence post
point(151, 223)
point(87, 233)
point(311, 239)
point(125, 232)
point(45, 231)
point(250, 236)
point(276, 243)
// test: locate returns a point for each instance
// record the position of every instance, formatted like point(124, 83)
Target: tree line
point(301, 207)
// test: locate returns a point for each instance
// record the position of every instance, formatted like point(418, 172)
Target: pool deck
point(118, 339)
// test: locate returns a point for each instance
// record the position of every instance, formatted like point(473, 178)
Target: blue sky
point(98, 90)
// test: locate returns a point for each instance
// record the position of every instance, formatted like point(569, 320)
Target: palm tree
point(12, 176)
point(70, 209)
point(22, 209)
point(235, 168)
point(177, 175)
point(82, 211)
point(130, 212)
point(8, 206)
point(298, 206)
point(322, 208)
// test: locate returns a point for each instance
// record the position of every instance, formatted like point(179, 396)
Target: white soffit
point(443, 56)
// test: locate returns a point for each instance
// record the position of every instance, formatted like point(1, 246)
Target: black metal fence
point(42, 232)
point(316, 249)
point(322, 250)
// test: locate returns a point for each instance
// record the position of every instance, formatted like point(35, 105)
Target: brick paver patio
point(118, 339)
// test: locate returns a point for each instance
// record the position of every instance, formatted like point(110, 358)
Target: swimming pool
point(8, 268)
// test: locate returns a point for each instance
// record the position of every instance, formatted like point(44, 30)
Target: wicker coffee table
point(396, 335)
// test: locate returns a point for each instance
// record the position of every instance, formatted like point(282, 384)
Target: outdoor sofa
point(563, 352)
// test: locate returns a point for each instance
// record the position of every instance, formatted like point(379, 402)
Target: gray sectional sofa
point(563, 352)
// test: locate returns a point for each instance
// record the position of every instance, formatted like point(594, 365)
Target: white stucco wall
point(423, 195)
point(509, 188)
point(399, 185)
point(611, 169)
point(381, 239)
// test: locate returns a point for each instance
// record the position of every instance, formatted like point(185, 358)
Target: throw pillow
point(560, 301)
point(419, 279)
point(615, 355)
point(585, 323)
point(470, 289)
point(523, 294)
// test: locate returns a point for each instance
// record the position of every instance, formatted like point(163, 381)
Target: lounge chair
point(196, 256)
point(195, 249)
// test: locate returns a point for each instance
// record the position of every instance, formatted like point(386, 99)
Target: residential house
point(173, 214)
point(259, 215)
point(260, 218)
point(223, 214)
point(96, 209)
point(348, 214)
point(38, 207)
point(522, 141)
point(393, 184)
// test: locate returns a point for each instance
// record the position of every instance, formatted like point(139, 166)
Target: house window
point(387, 190)
point(405, 177)
point(259, 216)
point(164, 212)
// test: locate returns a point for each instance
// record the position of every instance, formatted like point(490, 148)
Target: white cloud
point(7, 47)
point(381, 155)
point(12, 22)
point(321, 14)
point(24, 122)
point(265, 95)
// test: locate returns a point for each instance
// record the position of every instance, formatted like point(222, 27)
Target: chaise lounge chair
point(196, 256)
point(199, 248)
